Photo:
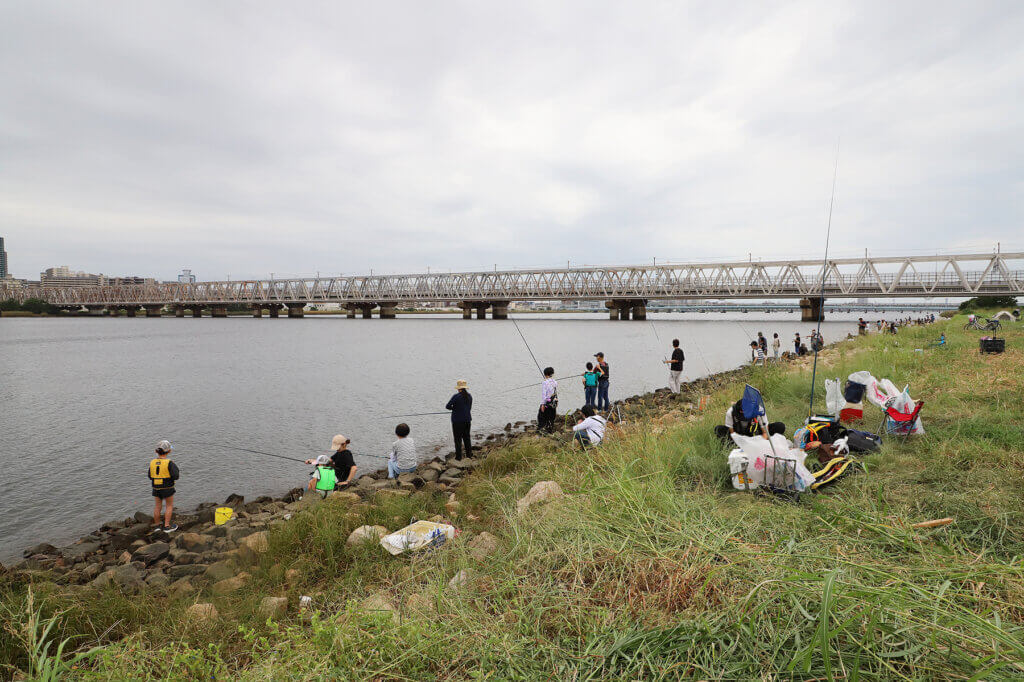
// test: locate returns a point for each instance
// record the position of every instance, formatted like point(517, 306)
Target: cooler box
point(853, 412)
point(992, 345)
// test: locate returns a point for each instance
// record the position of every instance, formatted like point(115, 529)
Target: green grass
point(651, 567)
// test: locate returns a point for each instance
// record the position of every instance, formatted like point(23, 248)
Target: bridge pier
point(499, 310)
point(295, 309)
point(197, 311)
point(179, 311)
point(153, 310)
point(387, 311)
point(367, 310)
point(640, 311)
point(350, 312)
point(130, 310)
point(467, 311)
point(218, 311)
point(481, 311)
point(257, 310)
point(274, 309)
point(94, 310)
point(811, 309)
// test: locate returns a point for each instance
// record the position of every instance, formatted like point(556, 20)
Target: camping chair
point(900, 424)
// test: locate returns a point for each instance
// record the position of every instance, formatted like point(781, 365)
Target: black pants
point(462, 441)
point(546, 418)
point(722, 431)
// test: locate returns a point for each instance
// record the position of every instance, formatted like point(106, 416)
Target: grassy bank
point(649, 568)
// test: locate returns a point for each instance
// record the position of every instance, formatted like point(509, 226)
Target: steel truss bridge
point(625, 289)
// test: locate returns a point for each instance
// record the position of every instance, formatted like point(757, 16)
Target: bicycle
point(992, 325)
point(973, 324)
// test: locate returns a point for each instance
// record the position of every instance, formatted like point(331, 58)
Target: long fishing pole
point(230, 447)
point(824, 271)
point(416, 414)
point(527, 346)
point(519, 388)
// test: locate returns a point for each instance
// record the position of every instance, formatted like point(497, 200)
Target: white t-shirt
point(594, 427)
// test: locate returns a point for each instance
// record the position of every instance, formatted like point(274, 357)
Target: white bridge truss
point(887, 277)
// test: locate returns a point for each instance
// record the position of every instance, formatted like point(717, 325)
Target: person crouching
point(737, 422)
point(590, 429)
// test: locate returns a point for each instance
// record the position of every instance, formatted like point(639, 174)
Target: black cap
point(599, 354)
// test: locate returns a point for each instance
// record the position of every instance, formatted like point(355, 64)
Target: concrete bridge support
point(624, 309)
point(179, 311)
point(367, 309)
point(640, 311)
point(387, 311)
point(499, 310)
point(467, 311)
point(274, 309)
point(350, 312)
point(153, 310)
point(481, 311)
point(295, 309)
point(197, 311)
point(94, 310)
point(257, 310)
point(130, 310)
point(218, 311)
point(811, 309)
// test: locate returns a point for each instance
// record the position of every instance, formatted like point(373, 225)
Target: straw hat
point(461, 384)
point(338, 442)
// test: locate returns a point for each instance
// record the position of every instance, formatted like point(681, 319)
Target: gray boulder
point(221, 570)
point(273, 608)
point(186, 570)
point(151, 553)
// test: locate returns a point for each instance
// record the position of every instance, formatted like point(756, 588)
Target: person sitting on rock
point(344, 464)
point(162, 475)
point(323, 477)
point(737, 422)
point(402, 458)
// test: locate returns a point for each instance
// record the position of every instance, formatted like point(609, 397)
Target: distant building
point(113, 281)
point(63, 276)
point(186, 277)
point(4, 274)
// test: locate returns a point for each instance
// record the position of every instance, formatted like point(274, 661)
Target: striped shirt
point(403, 451)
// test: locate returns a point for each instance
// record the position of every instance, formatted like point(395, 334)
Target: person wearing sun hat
point(341, 459)
point(461, 406)
point(162, 475)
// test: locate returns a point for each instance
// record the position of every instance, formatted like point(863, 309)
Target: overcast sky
point(244, 138)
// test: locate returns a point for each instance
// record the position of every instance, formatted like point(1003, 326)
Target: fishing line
point(417, 414)
point(230, 447)
point(527, 346)
point(824, 271)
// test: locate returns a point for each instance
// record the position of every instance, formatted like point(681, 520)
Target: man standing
point(461, 406)
point(602, 383)
point(675, 366)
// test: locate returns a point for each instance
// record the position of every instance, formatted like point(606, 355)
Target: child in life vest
point(323, 477)
point(162, 475)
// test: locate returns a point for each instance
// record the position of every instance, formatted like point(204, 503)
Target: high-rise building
point(3, 260)
point(65, 277)
point(186, 277)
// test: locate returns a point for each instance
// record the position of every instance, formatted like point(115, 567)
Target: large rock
point(366, 533)
point(201, 613)
point(378, 603)
point(158, 580)
point(230, 584)
point(463, 463)
point(186, 570)
point(343, 497)
point(79, 551)
point(143, 517)
point(273, 608)
point(482, 546)
point(151, 553)
point(412, 478)
point(430, 474)
point(239, 532)
point(181, 557)
point(256, 542)
point(221, 570)
point(181, 588)
point(194, 542)
point(126, 577)
point(41, 548)
point(234, 501)
point(542, 491)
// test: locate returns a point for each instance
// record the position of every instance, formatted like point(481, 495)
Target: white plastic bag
point(416, 536)
point(738, 462)
point(757, 449)
point(834, 399)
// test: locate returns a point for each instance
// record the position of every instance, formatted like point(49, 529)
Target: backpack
point(863, 441)
point(825, 431)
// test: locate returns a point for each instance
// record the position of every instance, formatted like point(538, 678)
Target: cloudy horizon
point(243, 139)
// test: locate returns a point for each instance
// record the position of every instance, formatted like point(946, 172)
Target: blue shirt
point(460, 405)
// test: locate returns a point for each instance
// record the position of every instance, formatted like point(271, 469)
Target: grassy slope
point(651, 567)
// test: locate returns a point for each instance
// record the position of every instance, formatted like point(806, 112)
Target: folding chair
point(899, 423)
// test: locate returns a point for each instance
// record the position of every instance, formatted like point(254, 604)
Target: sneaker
point(171, 528)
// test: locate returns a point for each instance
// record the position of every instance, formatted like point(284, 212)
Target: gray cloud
point(245, 138)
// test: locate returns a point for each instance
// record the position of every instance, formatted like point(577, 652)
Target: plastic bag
point(757, 450)
point(834, 399)
point(417, 536)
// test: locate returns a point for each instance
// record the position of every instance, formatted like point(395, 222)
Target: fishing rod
point(519, 388)
point(527, 346)
point(261, 452)
point(824, 271)
point(657, 336)
point(417, 414)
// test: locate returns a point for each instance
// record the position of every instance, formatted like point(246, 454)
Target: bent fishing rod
point(824, 271)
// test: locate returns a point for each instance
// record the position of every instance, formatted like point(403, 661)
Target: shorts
point(163, 493)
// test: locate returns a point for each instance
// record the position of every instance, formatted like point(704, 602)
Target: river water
point(84, 401)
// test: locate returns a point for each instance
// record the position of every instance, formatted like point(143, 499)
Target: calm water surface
point(84, 401)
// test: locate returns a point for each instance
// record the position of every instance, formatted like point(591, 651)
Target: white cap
point(164, 446)
point(322, 460)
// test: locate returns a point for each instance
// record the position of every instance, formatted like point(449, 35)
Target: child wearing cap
point(162, 475)
point(322, 479)
point(341, 461)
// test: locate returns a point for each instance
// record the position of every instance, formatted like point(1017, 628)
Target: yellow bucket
point(222, 515)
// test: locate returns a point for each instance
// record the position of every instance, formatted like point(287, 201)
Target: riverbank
point(648, 566)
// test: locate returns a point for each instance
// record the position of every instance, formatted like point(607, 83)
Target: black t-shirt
point(343, 463)
point(604, 368)
point(677, 360)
